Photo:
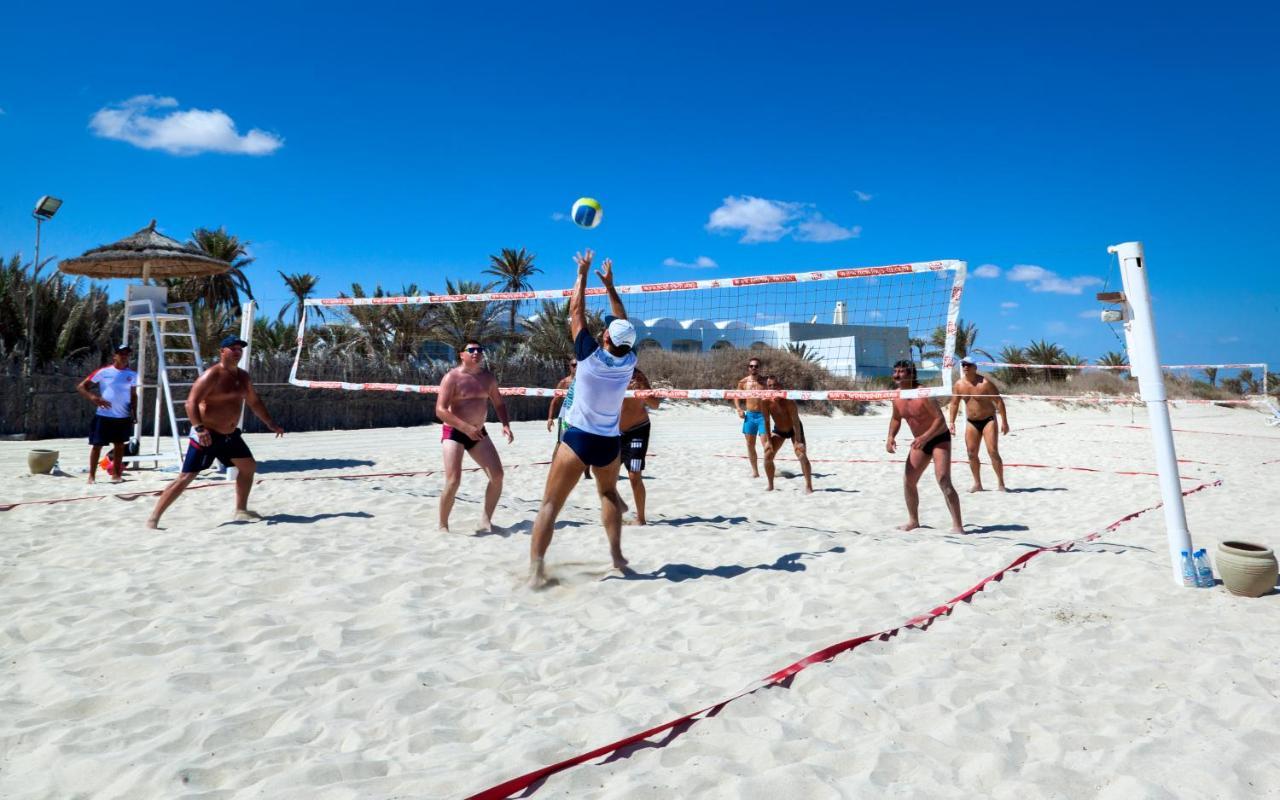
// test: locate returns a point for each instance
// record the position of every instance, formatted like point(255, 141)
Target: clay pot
point(1247, 569)
point(41, 462)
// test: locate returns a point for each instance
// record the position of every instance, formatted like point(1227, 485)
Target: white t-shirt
point(599, 388)
point(114, 385)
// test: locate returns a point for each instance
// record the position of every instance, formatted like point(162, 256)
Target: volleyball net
point(825, 334)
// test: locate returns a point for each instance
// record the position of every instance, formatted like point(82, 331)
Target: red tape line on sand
point(1180, 430)
point(921, 622)
point(152, 493)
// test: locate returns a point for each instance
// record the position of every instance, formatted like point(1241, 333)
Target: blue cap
point(232, 341)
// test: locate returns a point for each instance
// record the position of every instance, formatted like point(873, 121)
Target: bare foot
point(957, 530)
point(1001, 488)
point(153, 523)
point(619, 562)
point(537, 575)
point(808, 490)
point(117, 480)
point(634, 521)
point(909, 525)
point(245, 515)
point(770, 489)
point(92, 480)
point(977, 487)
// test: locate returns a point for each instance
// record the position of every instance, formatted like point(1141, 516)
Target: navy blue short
point(110, 430)
point(593, 450)
point(222, 447)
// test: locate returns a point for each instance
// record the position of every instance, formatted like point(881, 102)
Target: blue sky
point(403, 143)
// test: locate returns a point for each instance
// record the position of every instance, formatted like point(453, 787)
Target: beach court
point(341, 647)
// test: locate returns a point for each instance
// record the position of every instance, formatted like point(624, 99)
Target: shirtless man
point(981, 402)
point(463, 406)
point(635, 440)
point(593, 437)
point(213, 409)
point(782, 420)
point(752, 418)
point(932, 442)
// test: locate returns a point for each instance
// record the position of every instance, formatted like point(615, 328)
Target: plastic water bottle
point(1188, 569)
point(1204, 572)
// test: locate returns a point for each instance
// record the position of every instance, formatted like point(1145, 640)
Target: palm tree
point(547, 332)
point(217, 291)
point(1011, 354)
point(1046, 353)
point(513, 268)
point(804, 352)
point(300, 285)
point(1114, 358)
point(455, 324)
point(966, 335)
point(1212, 374)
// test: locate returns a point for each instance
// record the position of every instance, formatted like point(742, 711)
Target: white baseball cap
point(622, 333)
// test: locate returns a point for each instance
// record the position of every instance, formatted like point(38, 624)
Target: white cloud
point(1008, 305)
point(818, 229)
point(701, 262)
point(1043, 280)
point(1056, 326)
point(1228, 339)
point(863, 196)
point(181, 133)
point(762, 220)
point(1094, 314)
point(559, 216)
point(987, 271)
point(1015, 327)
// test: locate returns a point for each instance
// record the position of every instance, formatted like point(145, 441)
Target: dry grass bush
point(1107, 384)
point(722, 369)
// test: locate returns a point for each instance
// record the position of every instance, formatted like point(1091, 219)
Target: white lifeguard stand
point(167, 332)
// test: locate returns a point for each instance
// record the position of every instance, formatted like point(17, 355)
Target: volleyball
point(587, 212)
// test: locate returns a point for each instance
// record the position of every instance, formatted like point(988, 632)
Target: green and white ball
point(587, 212)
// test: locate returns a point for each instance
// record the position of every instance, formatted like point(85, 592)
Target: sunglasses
point(475, 350)
point(753, 366)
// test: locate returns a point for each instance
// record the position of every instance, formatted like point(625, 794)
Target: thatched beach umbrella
point(146, 254)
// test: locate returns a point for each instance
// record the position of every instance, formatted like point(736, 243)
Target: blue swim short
point(753, 424)
point(593, 450)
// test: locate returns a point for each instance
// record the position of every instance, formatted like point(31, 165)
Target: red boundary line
point(1179, 430)
point(783, 676)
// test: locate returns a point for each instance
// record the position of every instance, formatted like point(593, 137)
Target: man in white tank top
point(593, 437)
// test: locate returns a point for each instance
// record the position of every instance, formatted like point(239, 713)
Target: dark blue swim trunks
point(222, 447)
point(593, 450)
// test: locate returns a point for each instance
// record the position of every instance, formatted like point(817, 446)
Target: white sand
point(342, 648)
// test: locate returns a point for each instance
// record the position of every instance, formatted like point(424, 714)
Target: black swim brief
point(928, 447)
point(980, 423)
point(222, 447)
point(454, 435)
point(635, 446)
point(783, 434)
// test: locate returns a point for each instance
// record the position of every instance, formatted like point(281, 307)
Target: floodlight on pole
point(46, 207)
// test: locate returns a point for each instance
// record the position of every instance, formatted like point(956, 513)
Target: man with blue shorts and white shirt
point(117, 409)
point(593, 437)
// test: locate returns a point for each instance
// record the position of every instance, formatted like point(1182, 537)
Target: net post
point(1144, 359)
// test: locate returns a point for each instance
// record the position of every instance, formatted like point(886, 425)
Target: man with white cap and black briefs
point(981, 403)
point(593, 437)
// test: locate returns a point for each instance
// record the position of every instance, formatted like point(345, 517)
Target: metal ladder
point(177, 357)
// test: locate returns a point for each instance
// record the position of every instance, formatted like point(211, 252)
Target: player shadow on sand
point(297, 519)
point(1028, 489)
point(525, 526)
point(304, 464)
point(720, 521)
point(972, 529)
point(677, 573)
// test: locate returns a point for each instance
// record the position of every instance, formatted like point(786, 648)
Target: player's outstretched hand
point(583, 260)
point(606, 272)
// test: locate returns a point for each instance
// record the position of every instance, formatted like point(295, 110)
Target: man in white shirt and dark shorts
point(117, 401)
point(593, 437)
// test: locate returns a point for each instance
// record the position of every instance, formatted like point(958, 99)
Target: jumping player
point(593, 437)
point(463, 405)
point(932, 443)
point(782, 420)
point(752, 419)
point(981, 402)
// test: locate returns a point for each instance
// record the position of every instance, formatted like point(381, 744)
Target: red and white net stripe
point(670, 286)
point(668, 394)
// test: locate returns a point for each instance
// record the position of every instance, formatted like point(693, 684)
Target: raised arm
point(641, 381)
point(255, 403)
point(578, 302)
point(606, 277)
